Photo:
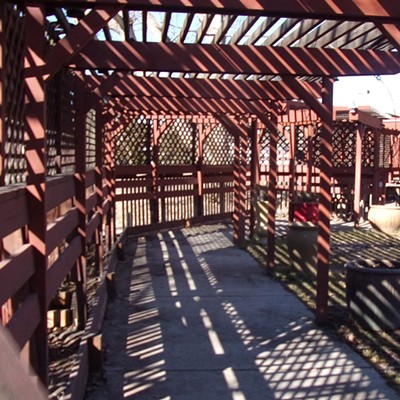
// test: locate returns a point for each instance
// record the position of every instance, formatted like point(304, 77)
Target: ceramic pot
point(385, 218)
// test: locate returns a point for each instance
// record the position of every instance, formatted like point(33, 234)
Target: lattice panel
point(91, 139)
point(301, 144)
point(344, 144)
point(384, 151)
point(51, 127)
point(178, 144)
point(396, 151)
point(67, 116)
point(249, 152)
point(133, 145)
point(264, 147)
point(14, 148)
point(283, 150)
point(368, 148)
point(218, 147)
point(316, 146)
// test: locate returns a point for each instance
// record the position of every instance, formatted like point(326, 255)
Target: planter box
point(373, 293)
point(302, 246)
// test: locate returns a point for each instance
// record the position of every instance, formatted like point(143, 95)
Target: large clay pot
point(385, 218)
point(302, 246)
point(373, 293)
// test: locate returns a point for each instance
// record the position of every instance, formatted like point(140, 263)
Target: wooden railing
point(21, 309)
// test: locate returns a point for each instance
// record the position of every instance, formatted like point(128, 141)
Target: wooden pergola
point(75, 74)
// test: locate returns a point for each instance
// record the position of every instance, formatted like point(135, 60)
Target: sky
point(381, 92)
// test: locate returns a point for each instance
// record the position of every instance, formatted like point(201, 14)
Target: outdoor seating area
point(151, 154)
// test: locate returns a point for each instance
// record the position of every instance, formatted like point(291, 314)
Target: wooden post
point(271, 123)
point(357, 177)
point(99, 187)
point(108, 155)
point(2, 92)
point(292, 161)
point(324, 229)
point(377, 176)
point(199, 197)
point(35, 153)
point(80, 199)
point(239, 176)
point(309, 158)
point(155, 217)
point(255, 170)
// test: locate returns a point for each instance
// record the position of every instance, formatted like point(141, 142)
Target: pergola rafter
point(274, 60)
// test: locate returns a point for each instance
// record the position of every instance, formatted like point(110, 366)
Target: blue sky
point(381, 92)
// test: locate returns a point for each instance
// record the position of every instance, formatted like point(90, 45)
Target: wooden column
point(199, 198)
point(271, 122)
point(292, 161)
point(99, 187)
point(255, 170)
point(357, 174)
point(2, 92)
point(376, 190)
point(80, 200)
point(109, 163)
point(35, 153)
point(309, 158)
point(155, 217)
point(324, 229)
point(240, 132)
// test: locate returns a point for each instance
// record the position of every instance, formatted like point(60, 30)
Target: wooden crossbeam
point(209, 58)
point(182, 106)
point(129, 85)
point(388, 10)
point(77, 38)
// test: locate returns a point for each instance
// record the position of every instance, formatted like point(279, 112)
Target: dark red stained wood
point(218, 178)
point(324, 215)
point(204, 88)
point(178, 181)
point(91, 227)
point(122, 171)
point(218, 190)
point(106, 206)
point(271, 123)
point(190, 106)
point(357, 176)
point(176, 169)
point(210, 58)
point(35, 150)
point(90, 177)
point(392, 32)
point(77, 38)
point(239, 175)
point(255, 169)
point(11, 367)
point(3, 134)
point(176, 193)
point(25, 320)
point(385, 10)
point(15, 271)
point(13, 210)
point(60, 229)
point(62, 267)
point(137, 183)
point(59, 190)
point(91, 202)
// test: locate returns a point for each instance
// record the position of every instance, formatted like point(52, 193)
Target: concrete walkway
point(196, 318)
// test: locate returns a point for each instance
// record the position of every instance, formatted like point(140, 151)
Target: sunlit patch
point(212, 334)
point(233, 384)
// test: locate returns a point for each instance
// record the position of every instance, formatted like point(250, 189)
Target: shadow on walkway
point(196, 318)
